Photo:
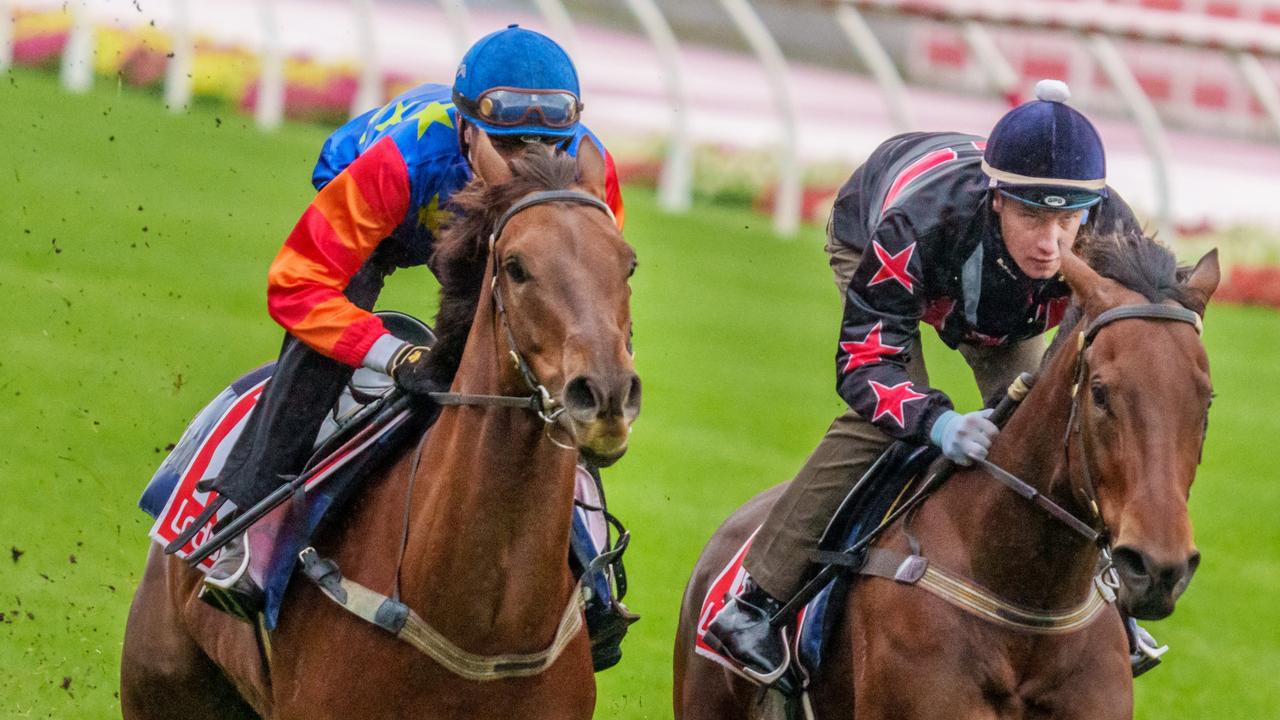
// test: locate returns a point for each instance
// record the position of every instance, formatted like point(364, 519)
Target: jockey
point(956, 232)
point(384, 181)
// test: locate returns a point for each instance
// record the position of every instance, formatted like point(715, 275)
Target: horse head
point(558, 272)
point(1141, 412)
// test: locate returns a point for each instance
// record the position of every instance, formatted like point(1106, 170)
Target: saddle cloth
point(872, 498)
point(172, 499)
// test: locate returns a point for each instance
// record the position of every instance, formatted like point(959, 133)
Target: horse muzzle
point(1149, 589)
point(599, 411)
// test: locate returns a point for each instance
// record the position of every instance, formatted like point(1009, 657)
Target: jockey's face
point(1032, 234)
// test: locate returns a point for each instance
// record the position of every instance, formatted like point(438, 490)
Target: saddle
point(370, 425)
point(872, 498)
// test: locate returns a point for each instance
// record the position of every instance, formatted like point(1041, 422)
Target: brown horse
point(1130, 437)
point(488, 513)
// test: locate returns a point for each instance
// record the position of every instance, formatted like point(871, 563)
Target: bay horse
point(1111, 431)
point(534, 269)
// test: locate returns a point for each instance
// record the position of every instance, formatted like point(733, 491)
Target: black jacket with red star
point(919, 211)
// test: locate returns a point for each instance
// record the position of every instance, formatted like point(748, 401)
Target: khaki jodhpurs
point(779, 555)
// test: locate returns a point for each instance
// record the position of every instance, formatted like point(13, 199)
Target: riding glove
point(408, 367)
point(964, 438)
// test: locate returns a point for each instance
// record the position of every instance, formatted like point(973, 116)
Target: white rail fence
point(1096, 25)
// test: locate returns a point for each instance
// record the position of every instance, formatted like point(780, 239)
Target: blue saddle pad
point(170, 497)
point(874, 497)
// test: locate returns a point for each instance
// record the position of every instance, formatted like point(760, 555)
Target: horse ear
point(486, 161)
point(1203, 280)
point(592, 168)
point(1085, 282)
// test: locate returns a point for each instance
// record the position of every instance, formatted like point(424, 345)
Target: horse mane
point(462, 248)
point(1137, 262)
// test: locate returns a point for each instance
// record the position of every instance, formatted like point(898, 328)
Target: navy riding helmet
point(518, 82)
point(1046, 154)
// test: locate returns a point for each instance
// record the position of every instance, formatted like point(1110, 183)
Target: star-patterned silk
point(919, 214)
point(389, 172)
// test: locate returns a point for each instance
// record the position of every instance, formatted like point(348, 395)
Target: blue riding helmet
point(518, 82)
point(1046, 154)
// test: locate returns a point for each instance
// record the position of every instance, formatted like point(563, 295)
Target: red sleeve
point(341, 228)
point(612, 189)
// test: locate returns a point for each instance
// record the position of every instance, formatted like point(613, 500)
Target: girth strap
point(917, 570)
point(398, 619)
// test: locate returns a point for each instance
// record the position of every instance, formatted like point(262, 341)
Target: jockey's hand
point(964, 438)
point(408, 367)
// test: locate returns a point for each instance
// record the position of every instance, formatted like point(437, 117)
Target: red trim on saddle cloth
point(728, 582)
point(186, 502)
point(915, 170)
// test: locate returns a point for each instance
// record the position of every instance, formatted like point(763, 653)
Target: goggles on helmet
point(1052, 198)
point(512, 107)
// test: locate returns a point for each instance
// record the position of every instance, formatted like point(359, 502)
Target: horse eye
point(515, 270)
point(1100, 396)
point(631, 270)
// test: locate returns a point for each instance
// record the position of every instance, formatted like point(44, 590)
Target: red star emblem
point(867, 350)
point(893, 267)
point(889, 400)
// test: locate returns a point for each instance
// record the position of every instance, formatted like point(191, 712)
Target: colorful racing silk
point(919, 211)
point(388, 173)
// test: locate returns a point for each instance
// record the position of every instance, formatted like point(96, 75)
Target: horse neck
point(1011, 546)
point(488, 548)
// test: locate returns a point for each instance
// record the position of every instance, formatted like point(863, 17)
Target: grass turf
point(132, 272)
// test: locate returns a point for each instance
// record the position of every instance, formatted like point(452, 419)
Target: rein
point(399, 619)
point(540, 400)
point(976, 600)
point(915, 569)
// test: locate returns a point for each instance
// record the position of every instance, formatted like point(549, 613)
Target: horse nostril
point(581, 398)
point(1131, 565)
point(631, 403)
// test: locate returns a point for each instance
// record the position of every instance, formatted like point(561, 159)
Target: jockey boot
point(742, 632)
point(1144, 651)
point(229, 586)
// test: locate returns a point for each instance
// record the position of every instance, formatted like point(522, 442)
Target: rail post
point(369, 91)
point(270, 110)
point(6, 35)
point(1144, 113)
point(1259, 82)
point(786, 214)
point(177, 74)
point(77, 57)
point(675, 186)
point(558, 18)
point(877, 60)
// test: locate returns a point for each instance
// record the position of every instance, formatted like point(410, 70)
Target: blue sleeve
point(340, 149)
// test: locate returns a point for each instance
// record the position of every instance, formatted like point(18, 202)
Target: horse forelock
point(1138, 263)
point(462, 249)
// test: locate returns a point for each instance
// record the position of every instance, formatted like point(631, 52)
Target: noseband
point(541, 400)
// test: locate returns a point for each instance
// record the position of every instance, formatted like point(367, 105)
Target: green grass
point(132, 272)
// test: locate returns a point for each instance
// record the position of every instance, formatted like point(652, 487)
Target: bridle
point(397, 618)
point(1088, 490)
point(915, 568)
point(540, 400)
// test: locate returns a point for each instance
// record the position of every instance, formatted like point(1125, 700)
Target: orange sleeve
point(341, 228)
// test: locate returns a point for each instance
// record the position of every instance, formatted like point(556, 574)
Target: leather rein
point(397, 618)
point(978, 601)
point(540, 399)
point(915, 569)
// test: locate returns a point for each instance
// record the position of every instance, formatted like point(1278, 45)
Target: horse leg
point(163, 673)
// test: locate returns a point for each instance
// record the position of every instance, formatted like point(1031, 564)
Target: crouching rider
point(384, 181)
point(961, 234)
